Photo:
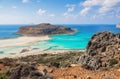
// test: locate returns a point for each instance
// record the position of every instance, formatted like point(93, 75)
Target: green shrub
point(3, 75)
point(113, 62)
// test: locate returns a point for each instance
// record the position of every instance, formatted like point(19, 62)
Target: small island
point(118, 26)
point(44, 29)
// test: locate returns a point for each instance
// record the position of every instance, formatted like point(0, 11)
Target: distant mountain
point(44, 29)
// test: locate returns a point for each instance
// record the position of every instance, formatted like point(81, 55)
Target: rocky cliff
point(44, 29)
point(103, 51)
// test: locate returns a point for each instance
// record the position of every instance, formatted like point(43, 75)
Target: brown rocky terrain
point(44, 29)
point(78, 72)
point(36, 65)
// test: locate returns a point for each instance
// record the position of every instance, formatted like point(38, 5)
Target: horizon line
point(65, 24)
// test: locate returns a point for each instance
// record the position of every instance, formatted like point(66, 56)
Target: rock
point(7, 61)
point(107, 76)
point(44, 29)
point(25, 71)
point(119, 70)
point(118, 26)
point(74, 65)
point(102, 51)
point(88, 77)
point(24, 50)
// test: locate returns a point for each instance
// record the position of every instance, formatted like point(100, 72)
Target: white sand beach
point(24, 40)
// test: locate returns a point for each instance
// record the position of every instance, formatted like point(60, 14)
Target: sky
point(60, 11)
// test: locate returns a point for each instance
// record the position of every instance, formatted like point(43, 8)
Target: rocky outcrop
point(118, 26)
point(103, 51)
point(44, 29)
point(25, 71)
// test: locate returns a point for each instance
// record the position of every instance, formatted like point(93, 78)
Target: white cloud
point(41, 11)
point(69, 16)
point(90, 3)
point(52, 15)
point(84, 11)
point(14, 7)
point(108, 5)
point(94, 17)
point(117, 12)
point(104, 5)
point(65, 14)
point(25, 1)
point(71, 7)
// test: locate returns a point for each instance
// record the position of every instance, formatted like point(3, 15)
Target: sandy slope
point(78, 72)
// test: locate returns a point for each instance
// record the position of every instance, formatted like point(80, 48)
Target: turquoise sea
point(78, 40)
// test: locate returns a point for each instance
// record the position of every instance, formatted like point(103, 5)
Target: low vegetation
point(4, 74)
point(113, 62)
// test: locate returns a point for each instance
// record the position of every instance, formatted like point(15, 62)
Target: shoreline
point(37, 52)
point(26, 40)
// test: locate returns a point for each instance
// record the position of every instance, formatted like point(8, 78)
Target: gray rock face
point(103, 51)
point(25, 71)
point(44, 29)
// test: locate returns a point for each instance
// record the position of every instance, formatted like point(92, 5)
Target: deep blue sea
point(78, 40)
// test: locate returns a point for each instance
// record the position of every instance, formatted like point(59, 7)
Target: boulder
point(103, 51)
point(25, 71)
point(44, 29)
point(24, 50)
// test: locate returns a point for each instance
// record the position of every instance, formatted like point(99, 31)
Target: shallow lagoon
point(78, 40)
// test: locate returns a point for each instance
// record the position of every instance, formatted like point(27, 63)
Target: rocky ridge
point(103, 52)
point(44, 29)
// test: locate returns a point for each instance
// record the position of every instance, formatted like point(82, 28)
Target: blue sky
point(60, 11)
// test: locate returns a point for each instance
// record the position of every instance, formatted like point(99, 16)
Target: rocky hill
point(44, 29)
point(103, 52)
